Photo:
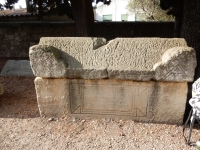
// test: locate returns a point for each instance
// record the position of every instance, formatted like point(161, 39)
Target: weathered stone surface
point(1, 89)
point(52, 96)
point(134, 58)
point(138, 53)
point(46, 61)
point(67, 57)
point(162, 102)
point(131, 75)
point(140, 59)
point(17, 68)
point(67, 43)
point(177, 64)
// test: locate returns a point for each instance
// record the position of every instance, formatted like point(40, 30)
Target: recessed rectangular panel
point(110, 99)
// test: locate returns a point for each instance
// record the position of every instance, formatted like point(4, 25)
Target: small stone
point(122, 134)
point(74, 119)
point(82, 121)
point(51, 119)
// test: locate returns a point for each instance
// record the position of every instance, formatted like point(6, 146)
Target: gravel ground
point(22, 128)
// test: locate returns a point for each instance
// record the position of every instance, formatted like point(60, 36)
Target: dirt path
point(22, 128)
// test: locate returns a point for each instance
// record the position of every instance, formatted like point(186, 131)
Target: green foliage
point(147, 10)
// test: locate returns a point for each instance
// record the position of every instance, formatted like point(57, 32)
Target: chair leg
point(191, 126)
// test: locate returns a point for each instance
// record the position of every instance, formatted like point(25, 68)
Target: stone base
point(162, 102)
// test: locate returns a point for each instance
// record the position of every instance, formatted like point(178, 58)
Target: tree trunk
point(40, 9)
point(84, 17)
point(28, 6)
point(190, 30)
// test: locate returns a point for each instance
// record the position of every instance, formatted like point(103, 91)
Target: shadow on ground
point(19, 98)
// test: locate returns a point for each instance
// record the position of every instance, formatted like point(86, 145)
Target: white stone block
point(162, 102)
point(52, 96)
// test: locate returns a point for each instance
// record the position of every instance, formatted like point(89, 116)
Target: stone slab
point(52, 96)
point(139, 59)
point(162, 102)
point(17, 68)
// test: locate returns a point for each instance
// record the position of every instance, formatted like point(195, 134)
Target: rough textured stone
point(1, 89)
point(162, 102)
point(17, 68)
point(67, 57)
point(127, 59)
point(48, 61)
point(138, 53)
point(140, 59)
point(52, 97)
point(177, 64)
point(134, 58)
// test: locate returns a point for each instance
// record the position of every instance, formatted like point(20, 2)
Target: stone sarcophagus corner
point(143, 79)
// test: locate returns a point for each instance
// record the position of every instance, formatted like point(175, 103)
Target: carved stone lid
point(140, 59)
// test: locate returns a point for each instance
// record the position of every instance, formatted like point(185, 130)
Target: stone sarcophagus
point(143, 79)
